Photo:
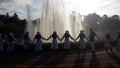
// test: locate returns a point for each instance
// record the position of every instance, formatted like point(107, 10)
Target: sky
point(84, 7)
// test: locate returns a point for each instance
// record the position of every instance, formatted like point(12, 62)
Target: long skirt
point(107, 44)
point(1, 46)
point(26, 45)
point(118, 44)
point(38, 45)
point(67, 44)
point(11, 46)
point(82, 44)
point(54, 45)
point(92, 43)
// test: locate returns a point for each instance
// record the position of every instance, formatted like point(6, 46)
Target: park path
point(60, 59)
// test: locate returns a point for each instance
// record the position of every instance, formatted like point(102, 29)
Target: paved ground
point(58, 59)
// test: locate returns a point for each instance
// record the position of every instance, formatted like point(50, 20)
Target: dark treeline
point(102, 24)
point(12, 24)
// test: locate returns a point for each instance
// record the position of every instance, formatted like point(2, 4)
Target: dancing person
point(82, 44)
point(38, 44)
point(67, 42)
point(118, 41)
point(108, 42)
point(92, 36)
point(54, 36)
point(1, 43)
point(27, 41)
point(11, 39)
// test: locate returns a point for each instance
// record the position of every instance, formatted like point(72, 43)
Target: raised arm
point(34, 39)
point(30, 39)
point(77, 37)
point(96, 36)
point(14, 38)
point(63, 37)
point(86, 38)
point(72, 38)
point(49, 37)
point(43, 38)
point(58, 38)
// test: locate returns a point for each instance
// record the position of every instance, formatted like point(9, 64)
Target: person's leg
point(93, 46)
point(118, 44)
point(84, 51)
point(106, 49)
point(110, 46)
point(111, 49)
point(80, 51)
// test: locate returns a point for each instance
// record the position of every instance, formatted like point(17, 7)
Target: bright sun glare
point(85, 6)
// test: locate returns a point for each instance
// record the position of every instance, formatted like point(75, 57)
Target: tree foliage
point(102, 24)
point(12, 24)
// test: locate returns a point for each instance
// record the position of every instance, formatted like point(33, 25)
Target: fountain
point(31, 27)
point(53, 18)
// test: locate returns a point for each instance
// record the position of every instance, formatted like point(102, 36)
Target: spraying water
point(53, 18)
point(30, 26)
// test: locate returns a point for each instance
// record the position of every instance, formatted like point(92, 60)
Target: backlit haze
point(84, 7)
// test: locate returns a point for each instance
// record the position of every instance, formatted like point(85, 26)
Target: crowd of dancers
point(66, 37)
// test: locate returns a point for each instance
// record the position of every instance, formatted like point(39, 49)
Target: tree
point(7, 21)
point(115, 17)
point(104, 16)
point(1, 25)
point(15, 16)
point(92, 19)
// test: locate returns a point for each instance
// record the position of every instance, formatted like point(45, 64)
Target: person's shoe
point(93, 52)
point(106, 50)
point(111, 50)
point(116, 49)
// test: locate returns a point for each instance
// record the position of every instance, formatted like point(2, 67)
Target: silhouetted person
point(54, 36)
point(38, 44)
point(108, 40)
point(118, 41)
point(27, 41)
point(1, 43)
point(67, 42)
point(11, 40)
point(82, 44)
point(92, 36)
